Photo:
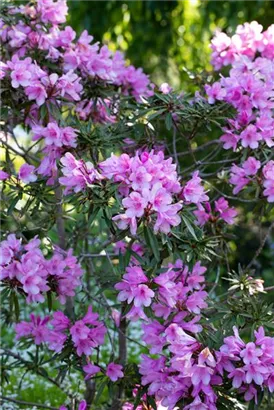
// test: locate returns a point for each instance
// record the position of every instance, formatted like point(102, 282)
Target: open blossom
point(26, 173)
point(77, 174)
point(268, 173)
point(90, 370)
point(247, 173)
point(133, 288)
point(54, 135)
point(241, 176)
point(193, 191)
point(3, 175)
point(114, 371)
point(36, 92)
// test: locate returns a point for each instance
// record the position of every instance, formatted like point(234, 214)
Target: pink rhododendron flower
point(26, 173)
point(114, 371)
point(91, 370)
point(3, 175)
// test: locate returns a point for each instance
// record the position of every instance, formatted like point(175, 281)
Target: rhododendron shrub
point(121, 207)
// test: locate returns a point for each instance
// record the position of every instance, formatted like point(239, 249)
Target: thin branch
point(27, 403)
point(262, 244)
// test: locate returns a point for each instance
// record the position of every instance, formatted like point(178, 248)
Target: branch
point(259, 250)
point(27, 403)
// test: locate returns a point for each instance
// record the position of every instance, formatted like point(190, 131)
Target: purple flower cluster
point(248, 40)
point(194, 372)
point(249, 173)
point(176, 291)
point(149, 184)
point(90, 61)
point(250, 366)
point(79, 64)
point(222, 212)
point(25, 268)
point(249, 89)
point(86, 333)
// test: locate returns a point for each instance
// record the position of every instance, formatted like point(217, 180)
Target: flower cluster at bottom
point(191, 373)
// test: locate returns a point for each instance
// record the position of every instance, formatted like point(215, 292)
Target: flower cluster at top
point(249, 88)
point(249, 40)
point(251, 171)
point(25, 268)
point(78, 59)
point(86, 333)
point(48, 68)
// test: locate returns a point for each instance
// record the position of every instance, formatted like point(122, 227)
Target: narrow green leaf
point(100, 390)
point(168, 121)
point(49, 299)
point(152, 242)
point(16, 306)
point(189, 227)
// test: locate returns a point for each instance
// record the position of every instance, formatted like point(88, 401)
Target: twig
point(28, 403)
point(259, 250)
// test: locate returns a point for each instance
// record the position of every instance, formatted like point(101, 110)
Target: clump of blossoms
point(36, 40)
point(26, 174)
point(249, 88)
point(222, 212)
point(252, 172)
point(149, 185)
point(85, 334)
point(249, 365)
point(249, 40)
point(24, 268)
point(194, 372)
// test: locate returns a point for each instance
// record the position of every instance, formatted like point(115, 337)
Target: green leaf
point(189, 227)
point(13, 205)
point(151, 402)
point(168, 121)
point(49, 299)
point(100, 390)
point(93, 215)
point(138, 398)
point(152, 242)
point(16, 306)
